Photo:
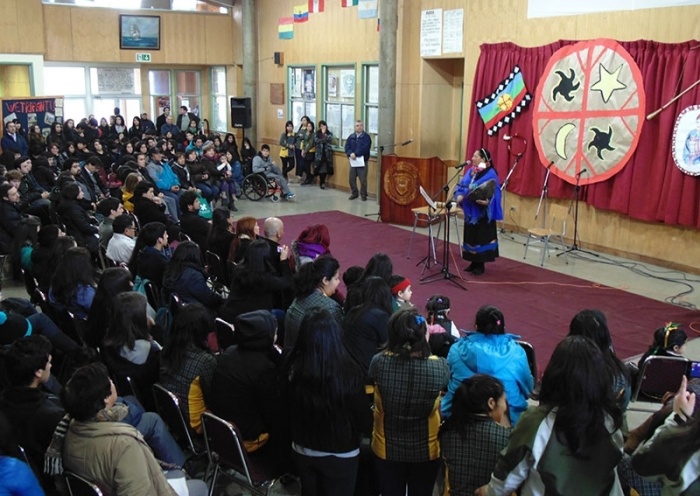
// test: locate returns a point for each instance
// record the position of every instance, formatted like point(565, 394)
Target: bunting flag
point(348, 3)
point(301, 13)
point(316, 6)
point(505, 103)
point(367, 9)
point(285, 28)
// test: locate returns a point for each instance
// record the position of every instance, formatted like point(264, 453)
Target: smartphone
point(279, 249)
point(693, 370)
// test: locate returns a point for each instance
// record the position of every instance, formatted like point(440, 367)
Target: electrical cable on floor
point(643, 270)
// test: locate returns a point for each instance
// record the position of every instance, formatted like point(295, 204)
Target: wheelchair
point(256, 185)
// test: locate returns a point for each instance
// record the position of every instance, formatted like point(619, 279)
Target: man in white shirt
point(122, 243)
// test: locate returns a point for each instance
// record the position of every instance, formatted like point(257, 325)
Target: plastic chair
point(658, 375)
point(168, 406)
point(225, 450)
point(78, 486)
point(557, 228)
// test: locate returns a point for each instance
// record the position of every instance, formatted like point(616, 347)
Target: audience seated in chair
point(121, 245)
point(186, 365)
point(104, 450)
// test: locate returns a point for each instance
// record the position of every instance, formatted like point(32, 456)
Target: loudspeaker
point(279, 58)
point(241, 113)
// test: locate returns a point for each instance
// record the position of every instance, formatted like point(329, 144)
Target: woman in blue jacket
point(490, 350)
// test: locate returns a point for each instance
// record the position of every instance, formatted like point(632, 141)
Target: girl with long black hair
point(328, 409)
point(571, 443)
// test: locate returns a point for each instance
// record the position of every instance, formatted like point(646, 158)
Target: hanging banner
point(589, 111)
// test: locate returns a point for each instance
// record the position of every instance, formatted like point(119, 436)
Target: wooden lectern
point(401, 178)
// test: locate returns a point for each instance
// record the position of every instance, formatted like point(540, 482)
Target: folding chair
point(168, 406)
point(225, 450)
point(78, 486)
point(217, 270)
point(224, 333)
point(532, 363)
point(658, 375)
point(557, 228)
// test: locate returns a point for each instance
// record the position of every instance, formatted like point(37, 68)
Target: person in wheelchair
point(263, 164)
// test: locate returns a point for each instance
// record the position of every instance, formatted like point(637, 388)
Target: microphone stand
point(445, 270)
point(575, 201)
point(504, 191)
point(543, 195)
point(380, 152)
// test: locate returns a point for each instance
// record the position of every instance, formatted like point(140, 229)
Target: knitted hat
point(13, 326)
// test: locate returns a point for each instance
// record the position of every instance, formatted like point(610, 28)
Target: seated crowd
point(310, 372)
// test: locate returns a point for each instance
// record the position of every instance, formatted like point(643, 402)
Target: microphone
point(407, 142)
point(581, 172)
point(462, 166)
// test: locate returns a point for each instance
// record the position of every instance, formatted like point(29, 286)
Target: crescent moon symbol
point(560, 139)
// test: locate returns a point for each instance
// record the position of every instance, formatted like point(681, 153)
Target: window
point(208, 6)
point(370, 95)
point(219, 101)
point(95, 90)
point(302, 94)
point(188, 91)
point(339, 101)
point(159, 86)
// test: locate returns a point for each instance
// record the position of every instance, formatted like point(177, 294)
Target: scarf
point(311, 250)
point(53, 458)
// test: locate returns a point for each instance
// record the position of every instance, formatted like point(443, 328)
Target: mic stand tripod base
point(443, 274)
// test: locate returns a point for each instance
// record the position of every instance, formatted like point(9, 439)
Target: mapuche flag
point(505, 103)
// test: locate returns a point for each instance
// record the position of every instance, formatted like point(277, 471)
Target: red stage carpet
point(537, 303)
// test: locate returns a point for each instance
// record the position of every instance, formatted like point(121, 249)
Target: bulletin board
point(43, 111)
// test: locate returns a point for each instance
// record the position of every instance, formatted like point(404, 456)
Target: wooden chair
point(557, 228)
point(78, 486)
point(434, 216)
point(225, 450)
point(658, 375)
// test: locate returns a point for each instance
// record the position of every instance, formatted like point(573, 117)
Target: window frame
point(366, 66)
point(340, 134)
point(291, 99)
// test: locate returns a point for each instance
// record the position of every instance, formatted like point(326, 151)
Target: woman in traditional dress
point(481, 211)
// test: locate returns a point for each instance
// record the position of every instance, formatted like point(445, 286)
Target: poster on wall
point(347, 84)
point(452, 31)
point(116, 80)
point(431, 33)
point(42, 111)
point(686, 140)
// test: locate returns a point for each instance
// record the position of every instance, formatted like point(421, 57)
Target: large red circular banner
point(589, 111)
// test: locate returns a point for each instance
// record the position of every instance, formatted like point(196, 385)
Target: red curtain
point(650, 187)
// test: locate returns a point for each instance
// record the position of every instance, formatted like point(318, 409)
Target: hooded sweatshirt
point(245, 387)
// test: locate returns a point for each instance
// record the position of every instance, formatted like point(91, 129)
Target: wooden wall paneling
point(237, 29)
point(95, 35)
point(29, 16)
point(58, 32)
point(593, 26)
point(218, 49)
point(9, 24)
point(673, 25)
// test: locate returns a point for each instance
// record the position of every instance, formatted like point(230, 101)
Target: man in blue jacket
point(357, 146)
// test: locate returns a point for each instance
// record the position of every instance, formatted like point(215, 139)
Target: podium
point(401, 178)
